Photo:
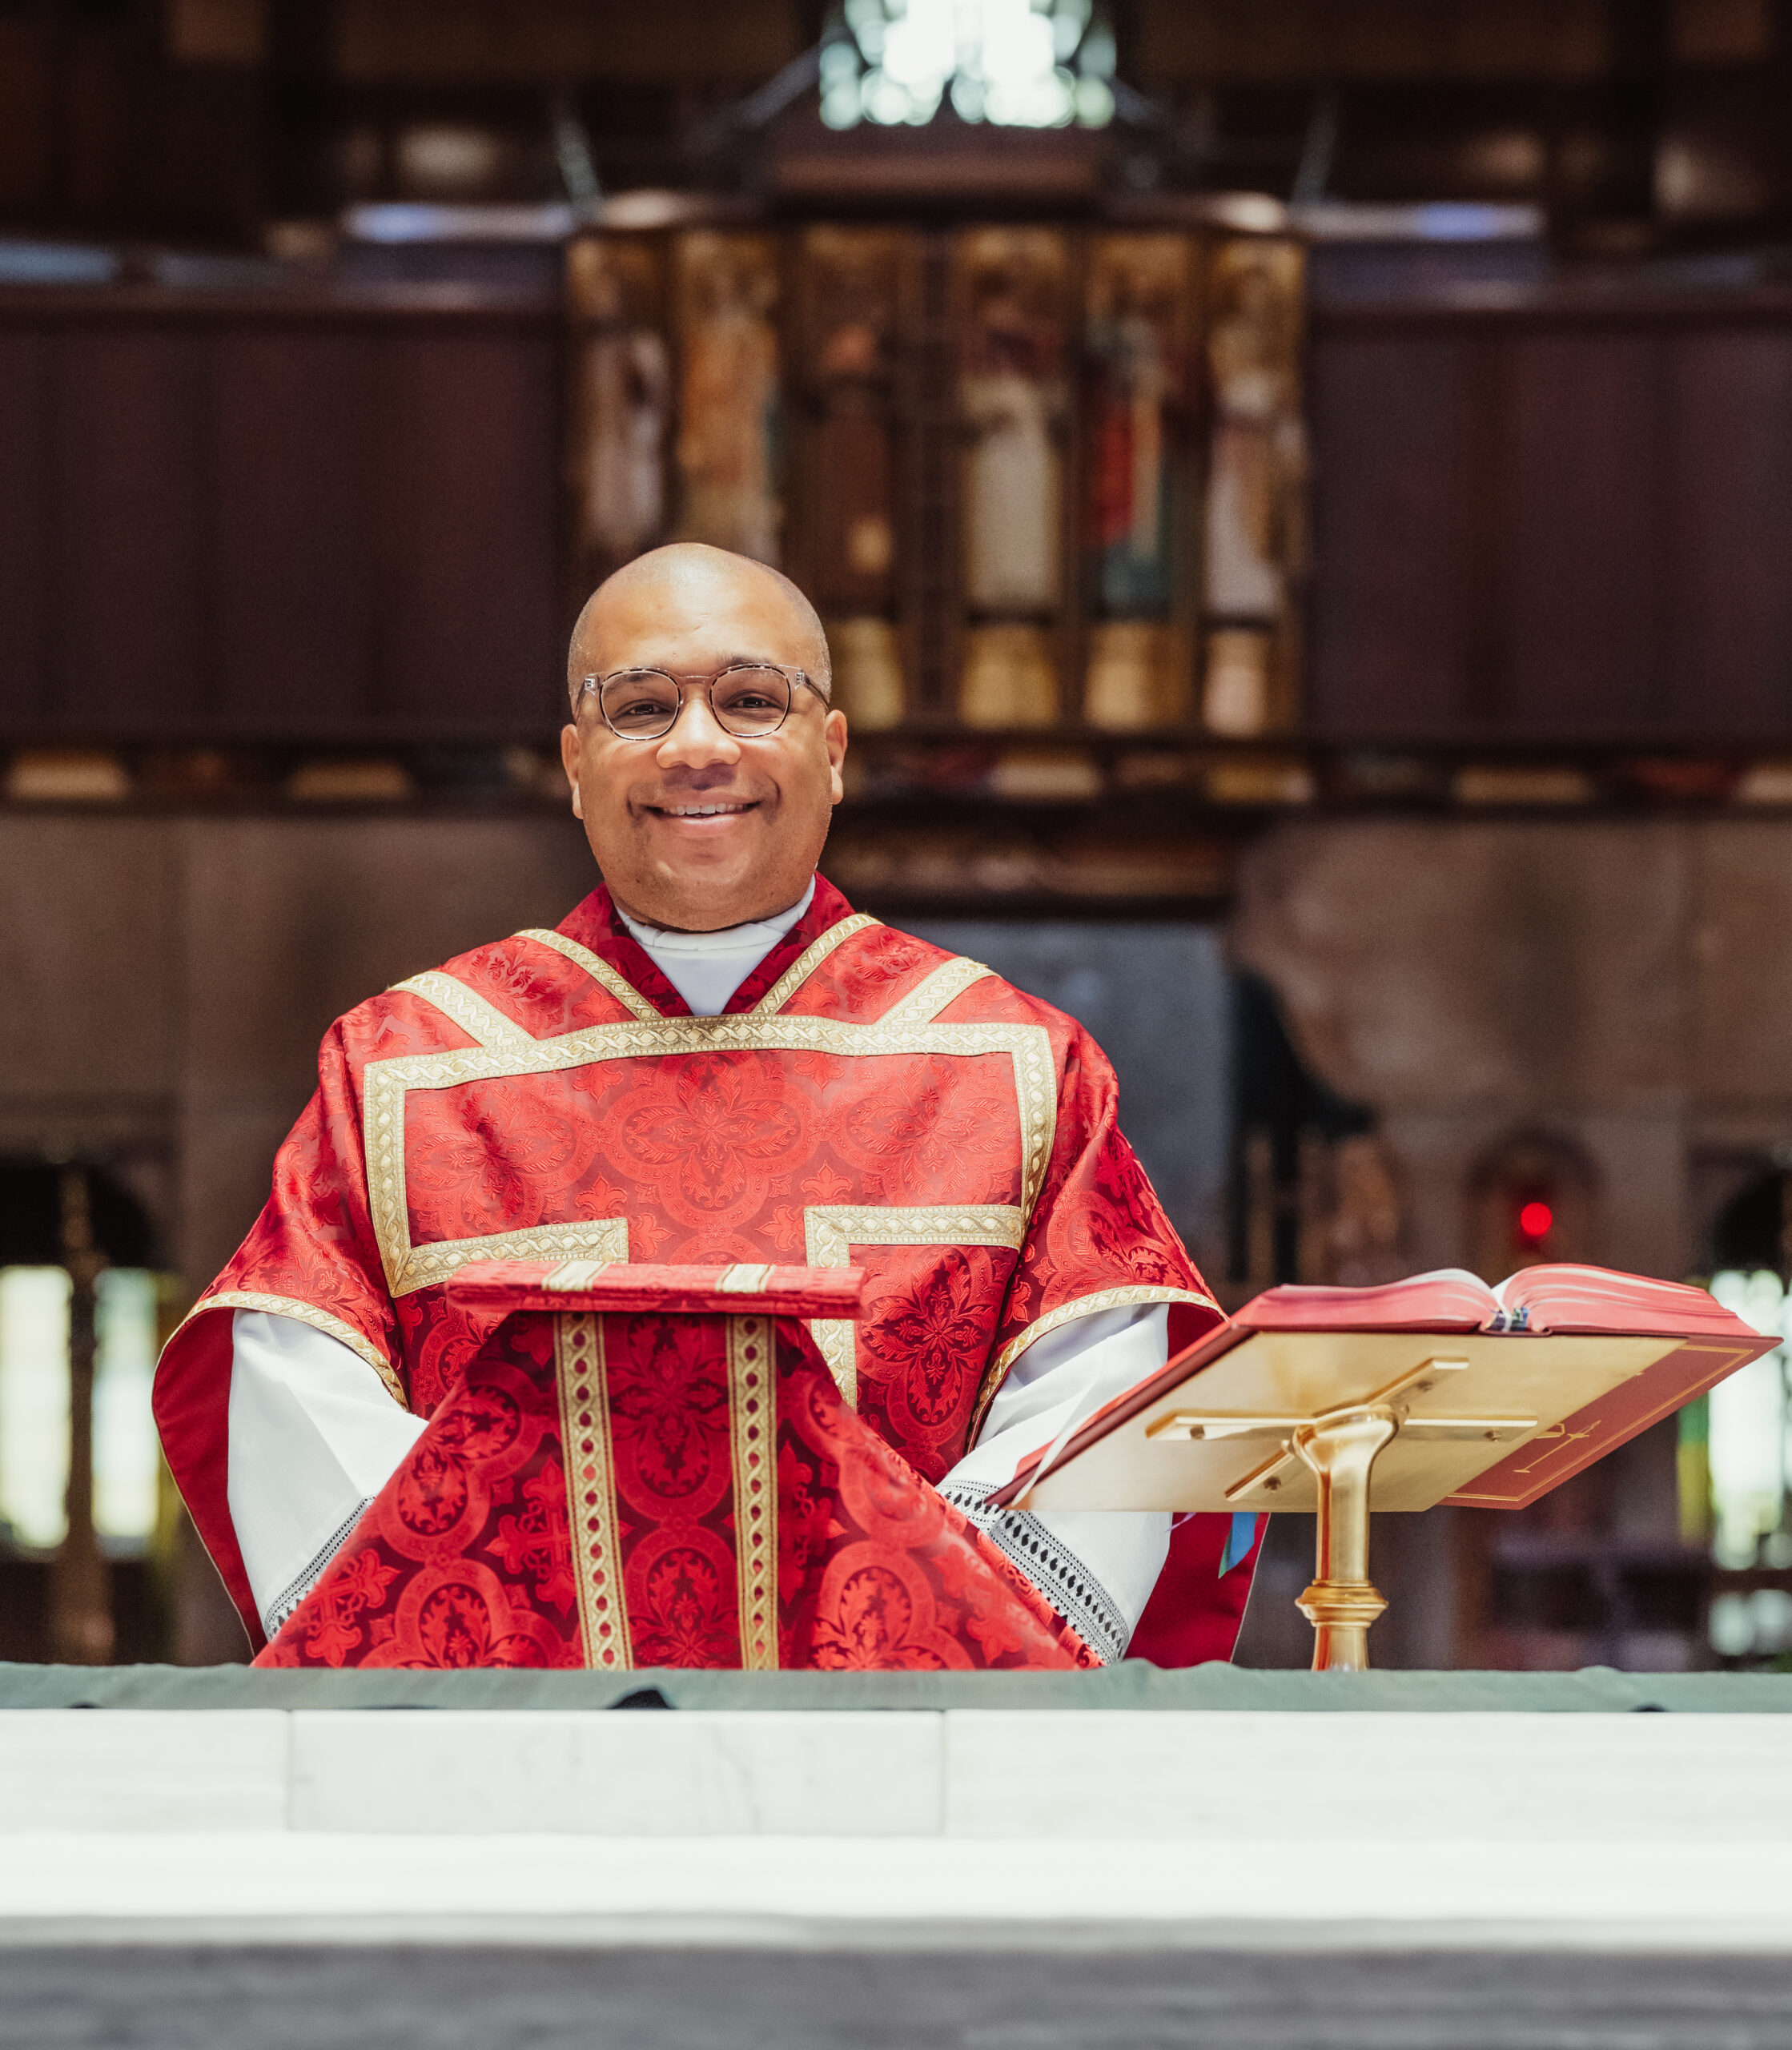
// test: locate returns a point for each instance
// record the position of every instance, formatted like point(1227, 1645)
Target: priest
point(863, 1099)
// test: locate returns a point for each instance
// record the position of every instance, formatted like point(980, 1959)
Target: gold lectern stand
point(1357, 1421)
point(1339, 1448)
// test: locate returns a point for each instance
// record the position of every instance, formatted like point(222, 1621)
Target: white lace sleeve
point(1097, 1568)
point(313, 1437)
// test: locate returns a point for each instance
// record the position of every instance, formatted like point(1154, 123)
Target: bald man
point(863, 1098)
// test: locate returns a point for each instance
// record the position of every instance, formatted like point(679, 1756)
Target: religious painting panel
point(1255, 539)
point(727, 293)
point(1136, 337)
point(1012, 290)
point(1059, 474)
point(854, 288)
point(620, 398)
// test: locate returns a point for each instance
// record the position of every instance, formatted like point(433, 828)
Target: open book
point(1561, 1364)
point(1536, 1299)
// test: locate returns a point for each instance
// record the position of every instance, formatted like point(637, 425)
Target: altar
point(666, 1854)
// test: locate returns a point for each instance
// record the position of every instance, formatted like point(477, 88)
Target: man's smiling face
point(699, 829)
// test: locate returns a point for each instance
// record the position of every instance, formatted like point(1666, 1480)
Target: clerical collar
point(706, 968)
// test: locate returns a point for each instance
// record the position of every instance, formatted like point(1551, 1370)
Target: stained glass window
point(35, 1407)
point(126, 1451)
point(1017, 63)
point(1746, 1423)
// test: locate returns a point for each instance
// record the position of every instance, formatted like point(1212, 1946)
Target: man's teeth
point(698, 810)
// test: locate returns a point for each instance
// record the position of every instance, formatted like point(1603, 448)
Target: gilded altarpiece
point(619, 400)
point(727, 450)
point(1036, 478)
point(1254, 524)
point(855, 292)
point(1138, 315)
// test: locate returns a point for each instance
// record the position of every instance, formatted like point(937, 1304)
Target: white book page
point(1449, 1274)
point(1598, 1274)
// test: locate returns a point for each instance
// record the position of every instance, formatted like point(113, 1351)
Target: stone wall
point(170, 978)
point(1625, 986)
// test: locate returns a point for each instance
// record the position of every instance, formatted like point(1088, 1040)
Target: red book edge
point(513, 1285)
point(1695, 1366)
point(1568, 1299)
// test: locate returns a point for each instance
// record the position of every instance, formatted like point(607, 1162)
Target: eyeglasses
point(750, 701)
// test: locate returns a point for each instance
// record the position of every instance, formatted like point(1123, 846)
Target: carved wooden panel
point(1554, 522)
point(276, 521)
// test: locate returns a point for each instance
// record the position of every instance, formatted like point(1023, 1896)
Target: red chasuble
point(652, 1466)
point(865, 1099)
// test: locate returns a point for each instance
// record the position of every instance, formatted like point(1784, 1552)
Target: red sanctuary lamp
point(1535, 1218)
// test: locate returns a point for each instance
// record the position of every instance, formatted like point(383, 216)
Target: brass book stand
point(1339, 1448)
point(1339, 1422)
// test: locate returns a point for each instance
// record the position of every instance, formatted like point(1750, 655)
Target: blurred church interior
point(1298, 494)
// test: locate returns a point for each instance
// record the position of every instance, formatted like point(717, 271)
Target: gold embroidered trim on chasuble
point(602, 1239)
point(906, 1030)
point(1103, 1299)
point(752, 1419)
point(810, 958)
point(600, 971)
point(831, 1231)
point(581, 1374)
point(946, 984)
point(477, 1018)
point(584, 1426)
point(331, 1327)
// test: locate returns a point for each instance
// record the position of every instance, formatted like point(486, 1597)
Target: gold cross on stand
point(1339, 1447)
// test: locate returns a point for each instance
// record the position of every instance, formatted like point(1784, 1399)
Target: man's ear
point(833, 733)
point(569, 761)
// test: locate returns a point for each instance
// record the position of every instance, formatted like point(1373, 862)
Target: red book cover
point(616, 1287)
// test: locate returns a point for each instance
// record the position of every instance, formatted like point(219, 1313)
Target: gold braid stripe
point(1103, 1299)
point(477, 1018)
point(601, 1239)
point(774, 999)
point(933, 993)
point(753, 1414)
point(331, 1327)
point(806, 963)
point(584, 1424)
point(386, 1084)
point(600, 971)
point(831, 1231)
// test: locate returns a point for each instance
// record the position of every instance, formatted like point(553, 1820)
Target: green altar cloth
point(1133, 1685)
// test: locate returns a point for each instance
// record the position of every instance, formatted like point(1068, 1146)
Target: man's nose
point(697, 740)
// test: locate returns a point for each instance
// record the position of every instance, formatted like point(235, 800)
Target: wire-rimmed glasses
point(748, 700)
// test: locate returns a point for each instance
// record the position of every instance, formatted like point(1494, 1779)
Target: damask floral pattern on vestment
point(705, 1154)
point(466, 1557)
